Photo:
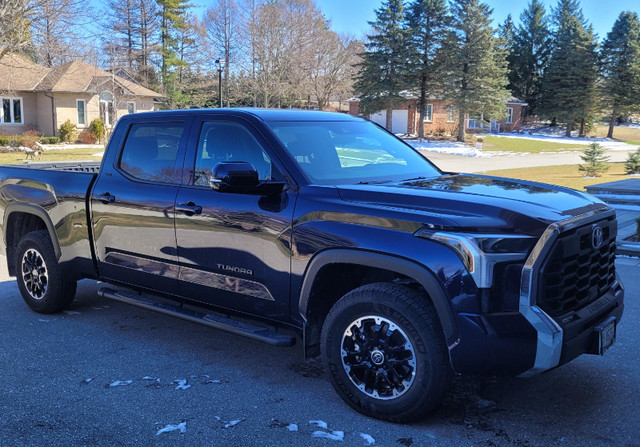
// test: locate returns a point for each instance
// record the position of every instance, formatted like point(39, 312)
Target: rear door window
point(151, 150)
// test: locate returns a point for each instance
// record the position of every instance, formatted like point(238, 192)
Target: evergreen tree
point(382, 76)
point(427, 23)
point(632, 164)
point(569, 83)
point(595, 160)
point(475, 64)
point(529, 55)
point(173, 14)
point(620, 67)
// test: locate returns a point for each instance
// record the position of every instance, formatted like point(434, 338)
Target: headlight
point(480, 252)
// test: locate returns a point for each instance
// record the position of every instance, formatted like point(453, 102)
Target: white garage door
point(399, 121)
point(379, 117)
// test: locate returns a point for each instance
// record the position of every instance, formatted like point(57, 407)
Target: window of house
point(131, 107)
point(451, 114)
point(151, 150)
point(509, 119)
point(11, 111)
point(81, 106)
point(107, 111)
point(428, 113)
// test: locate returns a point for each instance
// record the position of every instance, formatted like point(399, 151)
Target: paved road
point(513, 160)
point(56, 372)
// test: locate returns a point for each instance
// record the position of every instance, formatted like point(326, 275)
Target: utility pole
point(219, 67)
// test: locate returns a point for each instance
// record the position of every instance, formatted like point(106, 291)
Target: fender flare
point(38, 212)
point(406, 267)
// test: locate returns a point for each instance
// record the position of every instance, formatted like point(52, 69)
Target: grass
point(563, 175)
point(629, 135)
point(495, 143)
point(53, 155)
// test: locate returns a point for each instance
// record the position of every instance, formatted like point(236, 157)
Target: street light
point(220, 67)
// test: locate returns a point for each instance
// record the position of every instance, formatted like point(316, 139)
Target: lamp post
point(219, 67)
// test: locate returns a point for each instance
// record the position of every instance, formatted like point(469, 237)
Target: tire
point(400, 375)
point(40, 278)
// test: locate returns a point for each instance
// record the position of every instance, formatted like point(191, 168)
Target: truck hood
point(474, 203)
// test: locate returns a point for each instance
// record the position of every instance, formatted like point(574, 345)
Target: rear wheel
point(385, 353)
point(40, 278)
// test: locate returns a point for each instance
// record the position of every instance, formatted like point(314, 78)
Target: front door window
point(107, 111)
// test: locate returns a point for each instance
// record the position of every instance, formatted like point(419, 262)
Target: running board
point(215, 321)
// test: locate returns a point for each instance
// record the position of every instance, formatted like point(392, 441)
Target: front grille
point(575, 274)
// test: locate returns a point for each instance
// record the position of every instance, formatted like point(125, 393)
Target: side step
point(215, 321)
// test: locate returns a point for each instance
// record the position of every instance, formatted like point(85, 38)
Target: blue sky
point(351, 16)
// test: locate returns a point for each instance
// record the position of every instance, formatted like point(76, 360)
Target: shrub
point(32, 133)
point(4, 141)
point(15, 141)
point(97, 129)
point(49, 140)
point(595, 160)
point(632, 165)
point(68, 132)
point(86, 137)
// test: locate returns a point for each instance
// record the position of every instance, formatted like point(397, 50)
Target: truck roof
point(263, 114)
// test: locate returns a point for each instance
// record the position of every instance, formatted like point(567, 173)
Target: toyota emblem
point(596, 237)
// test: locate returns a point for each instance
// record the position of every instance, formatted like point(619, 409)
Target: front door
point(233, 248)
point(133, 207)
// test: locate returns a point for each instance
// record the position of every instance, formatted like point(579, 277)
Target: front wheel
point(40, 279)
point(384, 350)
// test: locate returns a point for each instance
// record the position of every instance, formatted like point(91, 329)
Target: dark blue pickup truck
point(330, 228)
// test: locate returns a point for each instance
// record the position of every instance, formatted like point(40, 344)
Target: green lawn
point(53, 155)
point(563, 175)
point(496, 143)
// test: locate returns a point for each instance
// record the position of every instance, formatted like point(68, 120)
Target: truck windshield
point(334, 152)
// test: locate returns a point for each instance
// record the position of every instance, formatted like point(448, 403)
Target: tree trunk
point(422, 105)
point(581, 134)
point(612, 124)
point(388, 124)
point(569, 127)
point(461, 126)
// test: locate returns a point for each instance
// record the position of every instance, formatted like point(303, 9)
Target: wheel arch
point(402, 267)
point(21, 219)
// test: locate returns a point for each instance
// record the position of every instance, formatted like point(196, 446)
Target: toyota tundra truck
point(284, 225)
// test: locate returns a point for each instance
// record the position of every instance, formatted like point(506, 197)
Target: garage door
point(399, 121)
point(379, 118)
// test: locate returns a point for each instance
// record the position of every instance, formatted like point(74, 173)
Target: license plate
point(606, 334)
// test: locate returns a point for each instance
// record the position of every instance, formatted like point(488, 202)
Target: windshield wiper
point(416, 178)
point(373, 182)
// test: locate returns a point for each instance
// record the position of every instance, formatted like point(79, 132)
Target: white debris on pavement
point(71, 312)
point(182, 426)
point(319, 424)
point(87, 380)
point(233, 423)
point(212, 381)
point(292, 427)
point(182, 384)
point(121, 383)
point(368, 438)
point(333, 435)
point(43, 321)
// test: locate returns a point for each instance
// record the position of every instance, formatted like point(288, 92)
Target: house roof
point(19, 74)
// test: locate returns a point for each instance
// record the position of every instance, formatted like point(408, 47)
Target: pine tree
point(427, 22)
point(632, 164)
point(620, 68)
point(595, 160)
point(529, 55)
point(475, 64)
point(569, 83)
point(382, 76)
point(173, 14)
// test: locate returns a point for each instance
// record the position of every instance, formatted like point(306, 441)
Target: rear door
point(233, 247)
point(133, 205)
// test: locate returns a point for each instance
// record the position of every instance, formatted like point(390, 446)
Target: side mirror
point(234, 176)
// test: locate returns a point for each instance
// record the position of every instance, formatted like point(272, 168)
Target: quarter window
point(428, 115)
point(509, 115)
point(224, 141)
point(131, 107)
point(11, 111)
point(151, 150)
point(451, 117)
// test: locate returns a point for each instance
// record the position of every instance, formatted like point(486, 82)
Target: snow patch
point(368, 438)
point(333, 435)
point(292, 427)
point(233, 423)
point(182, 384)
point(182, 426)
point(446, 147)
point(121, 383)
point(319, 424)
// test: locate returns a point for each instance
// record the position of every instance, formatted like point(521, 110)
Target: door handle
point(189, 208)
point(105, 197)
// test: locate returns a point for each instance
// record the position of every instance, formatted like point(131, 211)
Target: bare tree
point(14, 25)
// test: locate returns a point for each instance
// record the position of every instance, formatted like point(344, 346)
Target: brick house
point(442, 118)
point(33, 97)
